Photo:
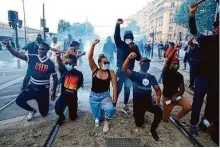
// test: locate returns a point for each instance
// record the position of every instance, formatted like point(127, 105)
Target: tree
point(205, 15)
point(63, 27)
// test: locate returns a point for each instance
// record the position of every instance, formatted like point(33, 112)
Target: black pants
point(193, 65)
point(39, 93)
point(202, 87)
point(27, 78)
point(140, 106)
point(70, 100)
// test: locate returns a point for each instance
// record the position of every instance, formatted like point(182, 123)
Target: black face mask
point(145, 67)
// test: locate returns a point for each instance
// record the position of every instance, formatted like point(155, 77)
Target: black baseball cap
point(145, 59)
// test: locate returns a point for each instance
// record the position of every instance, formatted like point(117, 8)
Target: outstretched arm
point(117, 35)
point(14, 52)
point(92, 63)
point(170, 58)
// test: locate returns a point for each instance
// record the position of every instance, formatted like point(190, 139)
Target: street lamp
point(25, 31)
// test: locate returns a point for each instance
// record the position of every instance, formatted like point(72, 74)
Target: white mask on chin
point(105, 67)
point(128, 41)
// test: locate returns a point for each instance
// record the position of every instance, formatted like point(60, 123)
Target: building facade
point(158, 18)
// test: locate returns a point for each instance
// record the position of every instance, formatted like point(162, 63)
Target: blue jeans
point(101, 105)
point(123, 79)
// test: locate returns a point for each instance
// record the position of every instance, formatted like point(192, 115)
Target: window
point(171, 20)
point(171, 14)
point(172, 4)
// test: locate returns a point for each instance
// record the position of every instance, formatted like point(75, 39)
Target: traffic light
point(20, 23)
point(12, 16)
point(46, 29)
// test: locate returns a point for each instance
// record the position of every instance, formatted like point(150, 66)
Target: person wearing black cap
point(142, 99)
point(32, 48)
point(71, 81)
point(207, 80)
point(124, 48)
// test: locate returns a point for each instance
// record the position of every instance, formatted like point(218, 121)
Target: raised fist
point(120, 21)
point(58, 53)
point(96, 41)
point(132, 55)
point(5, 43)
point(84, 53)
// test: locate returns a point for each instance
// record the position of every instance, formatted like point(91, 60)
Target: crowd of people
point(44, 61)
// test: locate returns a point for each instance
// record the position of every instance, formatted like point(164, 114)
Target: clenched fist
point(96, 41)
point(132, 56)
point(120, 21)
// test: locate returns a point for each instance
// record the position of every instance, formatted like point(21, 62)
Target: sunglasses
point(106, 62)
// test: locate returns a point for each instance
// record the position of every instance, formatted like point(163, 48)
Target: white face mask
point(105, 67)
point(128, 41)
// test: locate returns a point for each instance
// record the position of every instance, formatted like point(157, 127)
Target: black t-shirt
point(71, 80)
point(171, 82)
point(142, 84)
point(41, 69)
point(32, 48)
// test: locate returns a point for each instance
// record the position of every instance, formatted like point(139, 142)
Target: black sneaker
point(202, 127)
point(154, 135)
point(193, 130)
point(60, 121)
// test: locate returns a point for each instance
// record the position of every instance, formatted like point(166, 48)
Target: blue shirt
point(142, 84)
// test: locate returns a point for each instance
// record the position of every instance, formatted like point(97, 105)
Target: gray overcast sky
point(99, 12)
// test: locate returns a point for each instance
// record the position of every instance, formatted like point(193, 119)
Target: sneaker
point(182, 122)
point(154, 134)
point(31, 115)
point(60, 120)
point(193, 130)
point(106, 127)
point(96, 122)
point(125, 109)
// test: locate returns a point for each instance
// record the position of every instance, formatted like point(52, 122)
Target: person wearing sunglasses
point(142, 99)
point(71, 81)
point(100, 100)
point(41, 70)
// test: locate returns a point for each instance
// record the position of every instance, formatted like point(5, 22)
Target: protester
point(32, 48)
point(160, 48)
point(124, 48)
point(67, 42)
point(166, 54)
point(207, 80)
point(56, 45)
point(186, 56)
point(109, 49)
point(100, 99)
point(42, 68)
point(80, 51)
point(148, 50)
point(173, 88)
point(193, 61)
point(142, 99)
point(74, 47)
point(71, 81)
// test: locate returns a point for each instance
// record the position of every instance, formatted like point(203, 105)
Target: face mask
point(105, 66)
point(128, 41)
point(145, 67)
point(174, 67)
point(68, 67)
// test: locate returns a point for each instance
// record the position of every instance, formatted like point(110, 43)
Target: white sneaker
point(96, 122)
point(125, 109)
point(106, 127)
point(31, 115)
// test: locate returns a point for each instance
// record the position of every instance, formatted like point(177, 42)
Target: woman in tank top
point(101, 101)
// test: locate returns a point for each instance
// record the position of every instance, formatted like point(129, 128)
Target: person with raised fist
point(100, 100)
point(207, 80)
point(142, 89)
point(124, 48)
